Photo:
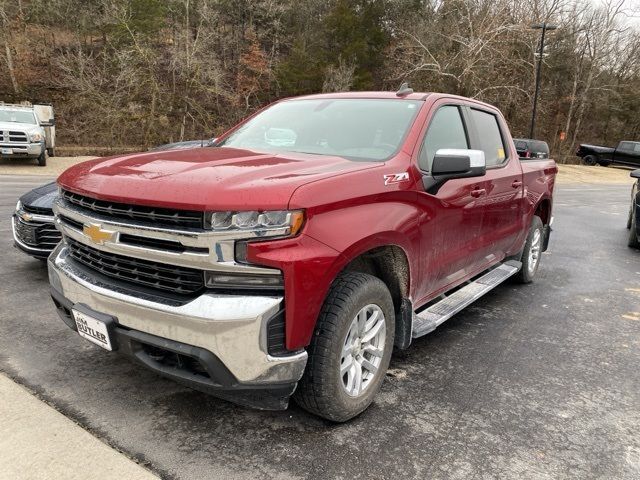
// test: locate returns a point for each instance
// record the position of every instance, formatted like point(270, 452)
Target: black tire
point(321, 390)
point(633, 240)
point(590, 160)
point(529, 269)
point(631, 207)
point(42, 159)
point(51, 152)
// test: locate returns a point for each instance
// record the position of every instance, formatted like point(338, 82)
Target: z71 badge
point(396, 178)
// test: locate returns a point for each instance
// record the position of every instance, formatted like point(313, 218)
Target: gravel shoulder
point(55, 166)
point(576, 174)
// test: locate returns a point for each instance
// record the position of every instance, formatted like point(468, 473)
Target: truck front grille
point(150, 215)
point(37, 234)
point(171, 278)
point(14, 137)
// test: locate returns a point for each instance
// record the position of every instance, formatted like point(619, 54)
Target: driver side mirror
point(451, 163)
point(635, 173)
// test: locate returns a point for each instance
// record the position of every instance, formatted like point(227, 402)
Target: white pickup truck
point(27, 131)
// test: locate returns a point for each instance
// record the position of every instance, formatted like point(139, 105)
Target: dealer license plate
point(92, 329)
point(7, 151)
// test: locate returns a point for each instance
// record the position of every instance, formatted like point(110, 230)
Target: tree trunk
point(12, 73)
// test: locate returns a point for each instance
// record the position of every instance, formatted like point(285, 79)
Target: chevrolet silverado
point(290, 260)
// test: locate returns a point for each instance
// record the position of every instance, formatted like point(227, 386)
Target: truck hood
point(41, 197)
point(19, 127)
point(204, 178)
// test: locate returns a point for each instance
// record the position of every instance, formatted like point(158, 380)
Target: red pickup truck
point(292, 256)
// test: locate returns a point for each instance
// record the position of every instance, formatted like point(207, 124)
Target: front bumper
point(225, 333)
point(21, 150)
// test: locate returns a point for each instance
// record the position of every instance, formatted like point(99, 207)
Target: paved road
point(532, 382)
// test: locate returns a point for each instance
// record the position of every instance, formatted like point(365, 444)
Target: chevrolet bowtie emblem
point(97, 234)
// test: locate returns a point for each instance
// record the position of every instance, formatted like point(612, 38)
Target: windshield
point(358, 129)
point(17, 116)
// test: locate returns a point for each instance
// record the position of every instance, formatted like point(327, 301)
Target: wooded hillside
point(144, 72)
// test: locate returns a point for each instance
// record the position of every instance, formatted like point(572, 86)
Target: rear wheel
point(532, 251)
point(590, 160)
point(350, 350)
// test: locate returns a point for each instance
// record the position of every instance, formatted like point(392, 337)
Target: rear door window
point(489, 136)
point(446, 130)
point(542, 147)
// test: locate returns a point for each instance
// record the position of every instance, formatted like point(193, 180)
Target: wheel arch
point(543, 210)
point(390, 263)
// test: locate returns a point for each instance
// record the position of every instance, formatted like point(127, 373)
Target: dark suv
point(528, 148)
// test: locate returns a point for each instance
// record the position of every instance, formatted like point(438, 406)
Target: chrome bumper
point(22, 149)
point(232, 327)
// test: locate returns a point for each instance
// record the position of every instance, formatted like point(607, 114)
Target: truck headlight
point(276, 222)
point(246, 227)
point(36, 137)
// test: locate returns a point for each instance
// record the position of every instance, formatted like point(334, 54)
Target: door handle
point(516, 184)
point(478, 192)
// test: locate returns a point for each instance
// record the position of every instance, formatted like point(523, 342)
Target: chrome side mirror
point(451, 163)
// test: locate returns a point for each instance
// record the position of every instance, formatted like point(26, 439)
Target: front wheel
point(350, 350)
point(532, 251)
point(42, 159)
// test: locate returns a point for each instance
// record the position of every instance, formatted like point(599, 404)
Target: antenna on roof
point(404, 90)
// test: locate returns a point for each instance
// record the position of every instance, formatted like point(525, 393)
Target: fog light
point(244, 281)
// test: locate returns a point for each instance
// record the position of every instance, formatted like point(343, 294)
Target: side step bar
point(430, 318)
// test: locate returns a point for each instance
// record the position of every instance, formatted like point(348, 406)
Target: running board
point(430, 318)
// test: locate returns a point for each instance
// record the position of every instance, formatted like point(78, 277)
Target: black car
point(634, 212)
point(33, 229)
point(529, 148)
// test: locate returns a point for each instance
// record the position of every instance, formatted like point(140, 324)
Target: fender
point(357, 229)
point(311, 262)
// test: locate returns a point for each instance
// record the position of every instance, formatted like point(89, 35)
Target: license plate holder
point(7, 151)
point(94, 327)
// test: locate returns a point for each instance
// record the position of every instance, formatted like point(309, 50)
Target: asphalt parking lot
point(531, 382)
